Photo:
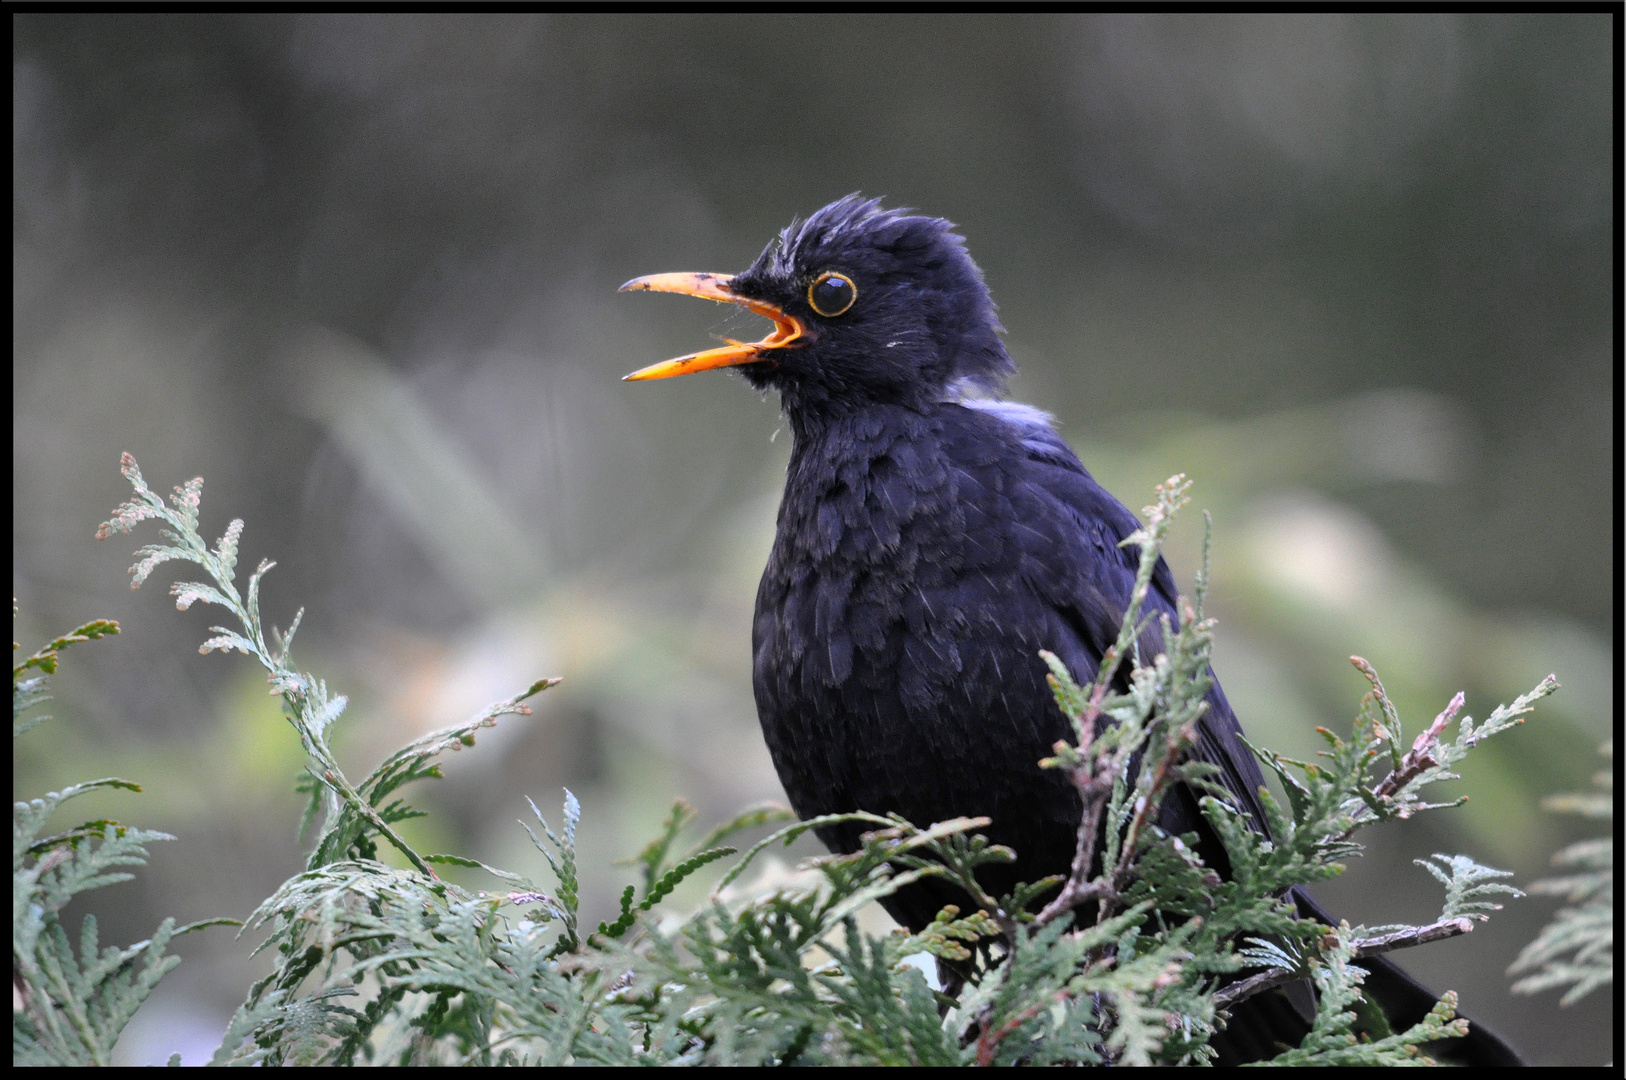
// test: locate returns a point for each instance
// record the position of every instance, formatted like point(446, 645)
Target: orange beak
point(786, 328)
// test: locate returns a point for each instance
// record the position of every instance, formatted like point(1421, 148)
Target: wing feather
point(1096, 578)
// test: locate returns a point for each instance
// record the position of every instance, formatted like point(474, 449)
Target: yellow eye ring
point(831, 294)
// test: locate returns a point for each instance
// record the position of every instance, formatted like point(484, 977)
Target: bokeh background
point(1353, 274)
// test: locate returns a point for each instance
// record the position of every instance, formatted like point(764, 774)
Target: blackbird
point(931, 540)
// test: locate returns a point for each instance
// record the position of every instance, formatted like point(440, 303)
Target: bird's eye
point(831, 294)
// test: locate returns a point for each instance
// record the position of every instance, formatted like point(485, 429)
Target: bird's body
point(924, 556)
point(931, 541)
point(896, 640)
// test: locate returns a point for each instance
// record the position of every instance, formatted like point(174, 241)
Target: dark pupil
point(832, 294)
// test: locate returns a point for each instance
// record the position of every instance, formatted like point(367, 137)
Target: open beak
point(786, 328)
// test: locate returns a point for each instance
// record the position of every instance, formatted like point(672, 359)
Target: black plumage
point(931, 541)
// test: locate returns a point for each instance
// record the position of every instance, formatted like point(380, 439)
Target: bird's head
point(869, 306)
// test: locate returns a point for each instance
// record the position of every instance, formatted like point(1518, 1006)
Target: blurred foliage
point(1353, 272)
point(1577, 949)
point(67, 1009)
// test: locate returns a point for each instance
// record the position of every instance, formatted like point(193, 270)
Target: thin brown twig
point(1093, 789)
point(1372, 946)
point(1144, 808)
point(1095, 784)
point(1421, 755)
point(1415, 761)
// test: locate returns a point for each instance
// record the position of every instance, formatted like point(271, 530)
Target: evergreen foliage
point(377, 964)
point(1577, 949)
point(68, 1008)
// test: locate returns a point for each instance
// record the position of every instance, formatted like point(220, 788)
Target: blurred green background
point(1353, 274)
